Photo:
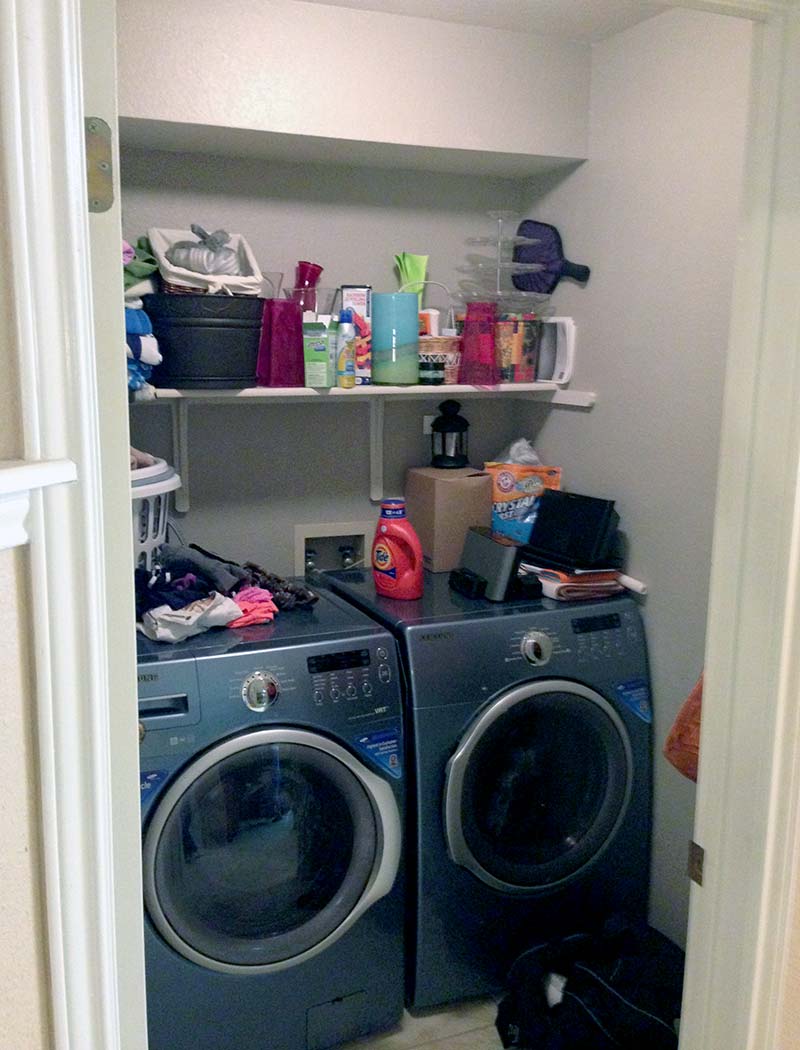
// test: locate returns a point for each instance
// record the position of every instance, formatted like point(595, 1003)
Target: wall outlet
point(427, 422)
point(327, 545)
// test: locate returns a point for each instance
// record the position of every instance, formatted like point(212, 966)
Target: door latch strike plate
point(695, 868)
point(99, 171)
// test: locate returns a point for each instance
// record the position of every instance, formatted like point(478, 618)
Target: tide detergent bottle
point(396, 553)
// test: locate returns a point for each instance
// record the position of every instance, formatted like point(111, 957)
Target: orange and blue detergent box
point(516, 488)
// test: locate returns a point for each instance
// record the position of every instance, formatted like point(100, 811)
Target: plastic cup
point(271, 284)
point(320, 300)
point(306, 274)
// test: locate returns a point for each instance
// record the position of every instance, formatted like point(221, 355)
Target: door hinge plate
point(99, 171)
point(697, 856)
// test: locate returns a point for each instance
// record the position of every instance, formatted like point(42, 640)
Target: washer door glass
point(263, 854)
point(538, 786)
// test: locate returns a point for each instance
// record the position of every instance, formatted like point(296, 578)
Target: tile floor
point(465, 1026)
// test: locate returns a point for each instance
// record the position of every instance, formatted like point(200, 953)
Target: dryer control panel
point(587, 637)
point(603, 636)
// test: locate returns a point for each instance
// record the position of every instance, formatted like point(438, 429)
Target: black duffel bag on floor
point(620, 988)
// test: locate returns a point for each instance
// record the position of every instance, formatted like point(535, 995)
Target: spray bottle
point(346, 351)
point(396, 554)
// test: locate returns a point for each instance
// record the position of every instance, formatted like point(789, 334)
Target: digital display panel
point(338, 661)
point(587, 624)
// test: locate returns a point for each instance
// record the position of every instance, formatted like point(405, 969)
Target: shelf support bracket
point(376, 417)
point(179, 411)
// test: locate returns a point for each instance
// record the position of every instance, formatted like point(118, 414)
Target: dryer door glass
point(539, 785)
point(263, 855)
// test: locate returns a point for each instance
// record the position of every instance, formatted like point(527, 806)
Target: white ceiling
point(574, 19)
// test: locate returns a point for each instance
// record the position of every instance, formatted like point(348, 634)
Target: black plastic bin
point(206, 341)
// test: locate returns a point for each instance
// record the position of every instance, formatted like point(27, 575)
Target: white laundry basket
point(150, 489)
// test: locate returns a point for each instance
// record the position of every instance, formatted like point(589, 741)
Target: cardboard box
point(441, 505)
point(315, 355)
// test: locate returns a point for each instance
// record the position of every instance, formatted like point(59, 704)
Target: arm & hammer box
point(442, 505)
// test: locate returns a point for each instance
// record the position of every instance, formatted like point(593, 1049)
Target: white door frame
point(747, 811)
point(747, 800)
point(68, 335)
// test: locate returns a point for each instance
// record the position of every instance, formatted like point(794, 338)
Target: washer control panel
point(361, 682)
point(349, 675)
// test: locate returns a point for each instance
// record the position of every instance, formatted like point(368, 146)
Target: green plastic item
point(412, 269)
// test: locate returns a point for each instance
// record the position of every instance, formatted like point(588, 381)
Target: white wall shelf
point(174, 136)
point(537, 391)
point(373, 396)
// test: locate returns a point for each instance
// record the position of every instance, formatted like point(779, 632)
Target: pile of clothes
point(191, 590)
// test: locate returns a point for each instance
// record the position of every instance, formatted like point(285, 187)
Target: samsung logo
point(147, 678)
point(437, 636)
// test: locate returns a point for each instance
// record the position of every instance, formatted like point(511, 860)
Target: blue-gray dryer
point(530, 743)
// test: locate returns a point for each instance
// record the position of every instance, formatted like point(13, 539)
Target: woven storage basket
point(445, 349)
point(176, 278)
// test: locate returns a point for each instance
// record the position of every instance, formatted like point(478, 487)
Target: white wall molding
point(17, 480)
point(758, 10)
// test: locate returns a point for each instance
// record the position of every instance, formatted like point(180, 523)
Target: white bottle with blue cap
point(346, 351)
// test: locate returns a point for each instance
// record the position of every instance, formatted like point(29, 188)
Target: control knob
point(536, 647)
point(260, 691)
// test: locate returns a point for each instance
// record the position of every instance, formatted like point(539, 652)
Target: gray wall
point(352, 221)
point(654, 212)
point(260, 469)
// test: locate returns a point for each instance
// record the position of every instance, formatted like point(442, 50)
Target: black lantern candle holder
point(449, 437)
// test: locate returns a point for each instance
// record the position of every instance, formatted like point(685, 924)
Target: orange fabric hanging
point(682, 747)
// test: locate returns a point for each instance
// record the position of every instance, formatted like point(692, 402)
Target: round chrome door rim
point(457, 846)
point(381, 880)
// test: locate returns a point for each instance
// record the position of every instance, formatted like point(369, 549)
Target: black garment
point(623, 989)
point(226, 576)
point(158, 587)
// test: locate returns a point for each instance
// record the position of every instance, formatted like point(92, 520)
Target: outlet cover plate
point(346, 530)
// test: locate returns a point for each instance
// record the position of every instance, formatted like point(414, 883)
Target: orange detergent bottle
point(396, 554)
